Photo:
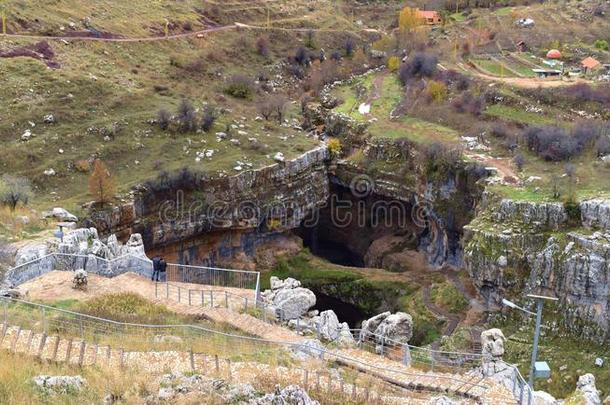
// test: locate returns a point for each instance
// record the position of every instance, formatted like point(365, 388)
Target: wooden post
point(122, 359)
point(216, 363)
point(55, 348)
point(317, 381)
point(230, 372)
point(68, 351)
point(211, 299)
point(14, 344)
point(30, 337)
point(226, 300)
point(202, 300)
point(4, 329)
point(366, 393)
point(330, 383)
point(354, 390)
point(342, 387)
point(189, 297)
point(96, 348)
point(192, 358)
point(81, 355)
point(166, 290)
point(108, 355)
point(306, 380)
point(43, 340)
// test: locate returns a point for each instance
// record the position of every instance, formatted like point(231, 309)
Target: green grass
point(518, 115)
point(405, 127)
point(446, 295)
point(575, 356)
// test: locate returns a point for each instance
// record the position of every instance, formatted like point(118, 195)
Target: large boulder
point(544, 398)
point(396, 327)
point(307, 349)
point(586, 387)
point(292, 303)
point(61, 214)
point(492, 341)
point(327, 324)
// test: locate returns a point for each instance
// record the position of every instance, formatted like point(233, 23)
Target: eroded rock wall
point(515, 248)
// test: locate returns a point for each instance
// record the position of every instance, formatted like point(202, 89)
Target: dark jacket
point(156, 263)
point(162, 266)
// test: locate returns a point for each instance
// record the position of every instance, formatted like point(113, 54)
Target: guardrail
point(50, 320)
point(140, 265)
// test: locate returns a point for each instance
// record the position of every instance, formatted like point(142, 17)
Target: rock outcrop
point(492, 349)
point(586, 387)
point(80, 249)
point(386, 327)
point(287, 299)
point(514, 248)
point(59, 384)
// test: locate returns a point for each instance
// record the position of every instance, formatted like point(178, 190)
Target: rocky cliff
point(514, 248)
point(194, 219)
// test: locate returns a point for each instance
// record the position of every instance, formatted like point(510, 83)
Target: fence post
point(226, 300)
point(189, 297)
point(179, 293)
point(406, 355)
point(246, 303)
point(192, 358)
point(211, 299)
point(167, 290)
point(44, 320)
point(156, 289)
point(306, 379)
point(82, 329)
point(5, 308)
point(216, 363)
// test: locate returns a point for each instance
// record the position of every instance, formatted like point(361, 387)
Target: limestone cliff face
point(513, 248)
point(203, 220)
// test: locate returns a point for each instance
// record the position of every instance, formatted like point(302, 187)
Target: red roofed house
point(590, 64)
point(431, 17)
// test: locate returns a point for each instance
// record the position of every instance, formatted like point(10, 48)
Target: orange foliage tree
point(101, 183)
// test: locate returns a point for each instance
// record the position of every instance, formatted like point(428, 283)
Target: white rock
point(279, 157)
point(49, 172)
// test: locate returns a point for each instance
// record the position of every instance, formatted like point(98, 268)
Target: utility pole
point(539, 304)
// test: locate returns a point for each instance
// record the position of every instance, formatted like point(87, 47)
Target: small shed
point(430, 17)
point(590, 64)
point(544, 73)
point(522, 46)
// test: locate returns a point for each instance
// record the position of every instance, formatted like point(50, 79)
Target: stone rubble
point(59, 384)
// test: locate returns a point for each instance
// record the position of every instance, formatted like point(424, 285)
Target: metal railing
point(50, 320)
point(212, 276)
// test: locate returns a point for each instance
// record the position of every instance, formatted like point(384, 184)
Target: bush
point(441, 159)
point(420, 65)
point(262, 46)
point(14, 190)
point(556, 144)
point(437, 91)
point(349, 46)
point(163, 119)
point(208, 118)
point(519, 161)
point(302, 56)
point(393, 63)
point(334, 147)
point(239, 86)
point(601, 44)
point(186, 116)
point(467, 103)
point(82, 166)
point(602, 146)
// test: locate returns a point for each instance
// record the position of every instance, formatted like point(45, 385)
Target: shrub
point(82, 166)
point(441, 159)
point(302, 56)
point(310, 39)
point(186, 116)
point(262, 46)
point(208, 118)
point(437, 91)
point(420, 65)
point(555, 144)
point(334, 147)
point(602, 146)
point(14, 190)
point(467, 103)
point(393, 63)
point(519, 161)
point(348, 47)
point(239, 86)
point(163, 119)
point(601, 44)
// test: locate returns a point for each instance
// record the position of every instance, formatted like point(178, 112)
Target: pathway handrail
point(324, 353)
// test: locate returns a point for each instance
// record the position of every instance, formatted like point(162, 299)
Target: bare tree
point(265, 108)
point(14, 190)
point(279, 105)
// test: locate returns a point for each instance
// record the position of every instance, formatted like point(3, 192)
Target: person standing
point(162, 269)
point(156, 262)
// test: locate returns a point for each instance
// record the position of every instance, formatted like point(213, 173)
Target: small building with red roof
point(430, 17)
point(553, 54)
point(589, 64)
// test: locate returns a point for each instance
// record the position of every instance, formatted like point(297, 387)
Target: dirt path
point(376, 91)
point(140, 39)
point(503, 166)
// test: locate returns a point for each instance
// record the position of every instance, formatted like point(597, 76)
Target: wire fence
point(48, 321)
point(242, 279)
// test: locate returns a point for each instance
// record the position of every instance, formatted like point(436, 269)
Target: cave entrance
point(320, 244)
point(345, 312)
